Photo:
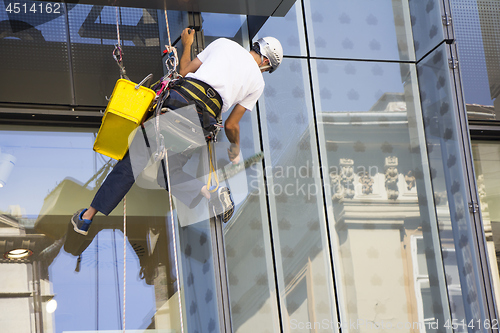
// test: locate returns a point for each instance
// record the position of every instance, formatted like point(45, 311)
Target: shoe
point(80, 225)
point(222, 204)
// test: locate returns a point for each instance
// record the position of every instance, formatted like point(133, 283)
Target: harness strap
point(204, 93)
point(175, 104)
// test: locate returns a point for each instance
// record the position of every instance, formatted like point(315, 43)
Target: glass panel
point(476, 26)
point(486, 160)
point(289, 30)
point(448, 183)
point(300, 239)
point(363, 29)
point(224, 25)
point(71, 282)
point(34, 53)
point(383, 230)
point(93, 35)
point(427, 25)
point(247, 243)
point(187, 167)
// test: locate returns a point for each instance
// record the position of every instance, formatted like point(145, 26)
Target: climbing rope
point(171, 64)
point(174, 246)
point(211, 171)
point(124, 256)
point(118, 56)
point(117, 52)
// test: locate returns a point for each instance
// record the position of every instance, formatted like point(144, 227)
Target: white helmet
point(271, 48)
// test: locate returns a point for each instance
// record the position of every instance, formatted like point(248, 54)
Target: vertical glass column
point(246, 237)
point(448, 172)
point(384, 236)
point(300, 236)
point(299, 231)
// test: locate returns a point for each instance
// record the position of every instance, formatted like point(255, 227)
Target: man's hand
point(185, 64)
point(234, 153)
point(187, 37)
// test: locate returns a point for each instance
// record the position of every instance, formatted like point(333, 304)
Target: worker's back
point(232, 71)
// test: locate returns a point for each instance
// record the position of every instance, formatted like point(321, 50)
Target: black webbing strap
point(203, 92)
point(162, 162)
point(175, 104)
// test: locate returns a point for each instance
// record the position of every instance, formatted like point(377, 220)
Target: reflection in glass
point(249, 258)
point(296, 203)
point(446, 154)
point(93, 33)
point(229, 26)
point(486, 160)
point(359, 29)
point(78, 281)
point(288, 30)
point(383, 229)
point(427, 25)
point(20, 34)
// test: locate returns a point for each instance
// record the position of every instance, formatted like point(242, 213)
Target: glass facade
point(476, 30)
point(354, 219)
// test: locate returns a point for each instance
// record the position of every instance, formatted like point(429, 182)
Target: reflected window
point(363, 29)
point(384, 243)
point(486, 161)
point(47, 175)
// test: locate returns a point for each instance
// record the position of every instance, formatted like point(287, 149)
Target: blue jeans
point(185, 187)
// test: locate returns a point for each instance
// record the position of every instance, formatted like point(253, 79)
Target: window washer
point(221, 76)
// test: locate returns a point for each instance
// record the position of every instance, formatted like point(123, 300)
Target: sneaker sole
point(227, 203)
point(226, 200)
point(81, 232)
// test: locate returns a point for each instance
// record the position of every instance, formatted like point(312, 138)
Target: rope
point(117, 277)
point(211, 171)
point(117, 52)
point(118, 28)
point(168, 29)
point(175, 244)
point(124, 256)
point(172, 58)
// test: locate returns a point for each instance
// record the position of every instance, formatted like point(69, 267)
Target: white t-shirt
point(232, 71)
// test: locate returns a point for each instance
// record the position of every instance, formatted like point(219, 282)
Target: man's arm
point(186, 65)
point(232, 130)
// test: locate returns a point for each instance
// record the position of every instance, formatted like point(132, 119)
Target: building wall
point(356, 219)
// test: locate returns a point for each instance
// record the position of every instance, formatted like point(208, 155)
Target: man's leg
point(185, 187)
point(116, 185)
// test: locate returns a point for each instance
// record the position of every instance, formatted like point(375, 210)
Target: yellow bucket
point(126, 109)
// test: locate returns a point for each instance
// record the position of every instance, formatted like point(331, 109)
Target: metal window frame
point(473, 193)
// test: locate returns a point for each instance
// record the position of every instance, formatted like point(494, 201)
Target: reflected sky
point(92, 298)
point(43, 160)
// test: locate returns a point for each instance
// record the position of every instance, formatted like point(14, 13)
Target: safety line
point(124, 256)
point(117, 26)
point(210, 171)
point(174, 243)
point(165, 156)
point(168, 29)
